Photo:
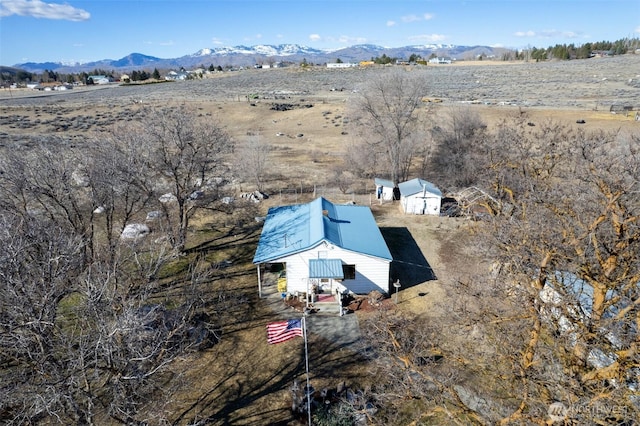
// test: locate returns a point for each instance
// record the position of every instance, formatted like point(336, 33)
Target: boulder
point(167, 198)
point(134, 231)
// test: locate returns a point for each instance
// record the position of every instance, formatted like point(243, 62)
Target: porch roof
point(326, 268)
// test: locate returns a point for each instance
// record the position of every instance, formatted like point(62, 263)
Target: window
point(349, 272)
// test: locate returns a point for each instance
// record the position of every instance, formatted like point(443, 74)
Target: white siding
point(371, 273)
point(417, 204)
point(385, 193)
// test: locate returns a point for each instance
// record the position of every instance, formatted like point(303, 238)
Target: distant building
point(341, 65)
point(440, 60)
point(100, 79)
point(176, 75)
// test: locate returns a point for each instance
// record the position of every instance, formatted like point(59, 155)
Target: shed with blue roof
point(336, 247)
point(418, 196)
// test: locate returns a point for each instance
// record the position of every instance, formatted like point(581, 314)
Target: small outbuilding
point(325, 248)
point(418, 196)
point(384, 189)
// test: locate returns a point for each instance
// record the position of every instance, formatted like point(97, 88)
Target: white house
point(336, 248)
point(100, 79)
point(440, 61)
point(384, 189)
point(176, 76)
point(417, 196)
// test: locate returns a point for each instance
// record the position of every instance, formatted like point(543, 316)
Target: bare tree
point(47, 182)
point(187, 155)
point(38, 266)
point(554, 325)
point(362, 160)
point(83, 335)
point(341, 178)
point(93, 189)
point(454, 156)
point(568, 249)
point(119, 176)
point(384, 113)
point(79, 343)
point(252, 160)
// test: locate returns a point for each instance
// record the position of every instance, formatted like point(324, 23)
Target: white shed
point(384, 189)
point(418, 196)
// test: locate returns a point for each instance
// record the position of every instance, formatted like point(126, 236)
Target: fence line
point(304, 194)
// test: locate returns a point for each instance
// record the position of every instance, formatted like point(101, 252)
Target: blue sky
point(82, 31)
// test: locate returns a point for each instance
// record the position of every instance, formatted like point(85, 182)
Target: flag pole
point(306, 357)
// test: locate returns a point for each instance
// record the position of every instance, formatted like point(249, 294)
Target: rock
point(80, 178)
point(155, 214)
point(196, 195)
point(167, 198)
point(134, 231)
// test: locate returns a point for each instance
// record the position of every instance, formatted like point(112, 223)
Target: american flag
point(278, 332)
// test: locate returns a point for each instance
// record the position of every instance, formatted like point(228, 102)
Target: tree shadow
point(409, 264)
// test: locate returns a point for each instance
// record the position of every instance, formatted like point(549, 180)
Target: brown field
point(243, 380)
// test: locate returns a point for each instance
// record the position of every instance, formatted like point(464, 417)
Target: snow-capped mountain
point(258, 54)
point(261, 49)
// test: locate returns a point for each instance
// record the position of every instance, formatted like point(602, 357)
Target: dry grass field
point(242, 380)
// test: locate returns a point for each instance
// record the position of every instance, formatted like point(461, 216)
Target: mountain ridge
point(263, 53)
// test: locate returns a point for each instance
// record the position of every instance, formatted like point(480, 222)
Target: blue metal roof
point(296, 228)
point(326, 268)
point(417, 185)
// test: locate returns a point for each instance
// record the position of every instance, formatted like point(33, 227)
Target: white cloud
point(548, 34)
point(217, 41)
point(524, 33)
point(39, 9)
point(391, 23)
point(417, 18)
point(315, 37)
point(430, 38)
